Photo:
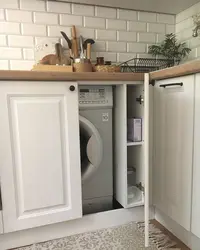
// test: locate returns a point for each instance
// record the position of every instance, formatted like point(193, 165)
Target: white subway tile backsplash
point(194, 42)
point(107, 35)
point(164, 18)
point(70, 20)
point(19, 16)
point(85, 32)
point(115, 24)
point(54, 31)
point(4, 64)
point(9, 4)
point(108, 56)
point(3, 41)
point(95, 22)
point(10, 53)
point(85, 10)
point(156, 27)
point(137, 47)
point(137, 26)
point(45, 18)
point(160, 38)
point(105, 12)
point(146, 37)
point(20, 41)
point(127, 14)
point(116, 46)
point(147, 17)
point(34, 29)
point(193, 10)
point(184, 34)
point(28, 54)
point(170, 28)
point(99, 46)
point(144, 55)
point(58, 7)
point(9, 28)
point(187, 23)
point(45, 40)
point(123, 57)
point(2, 15)
point(126, 36)
point(21, 64)
point(32, 5)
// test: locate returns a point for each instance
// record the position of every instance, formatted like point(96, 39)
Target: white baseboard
point(185, 236)
point(85, 224)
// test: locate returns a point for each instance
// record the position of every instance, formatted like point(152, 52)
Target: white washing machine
point(96, 104)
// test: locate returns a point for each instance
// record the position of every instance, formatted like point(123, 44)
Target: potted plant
point(170, 49)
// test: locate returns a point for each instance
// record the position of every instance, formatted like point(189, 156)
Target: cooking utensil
point(67, 39)
point(81, 47)
point(88, 51)
point(60, 58)
point(91, 41)
point(74, 42)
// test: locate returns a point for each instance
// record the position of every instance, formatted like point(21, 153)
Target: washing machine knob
point(72, 88)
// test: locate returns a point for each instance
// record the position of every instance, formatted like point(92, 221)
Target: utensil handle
point(73, 31)
point(89, 51)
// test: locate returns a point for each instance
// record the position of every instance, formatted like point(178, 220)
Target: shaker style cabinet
point(173, 147)
point(196, 163)
point(40, 168)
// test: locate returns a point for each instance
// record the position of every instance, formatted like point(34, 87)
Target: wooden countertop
point(180, 70)
point(62, 76)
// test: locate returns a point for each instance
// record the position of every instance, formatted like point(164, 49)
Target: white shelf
point(135, 204)
point(131, 143)
point(135, 201)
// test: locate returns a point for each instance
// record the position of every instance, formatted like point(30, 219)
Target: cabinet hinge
point(152, 82)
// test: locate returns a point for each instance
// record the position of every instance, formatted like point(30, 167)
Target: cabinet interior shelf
point(131, 143)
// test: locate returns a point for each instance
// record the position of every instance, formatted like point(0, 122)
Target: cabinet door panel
point(173, 135)
point(196, 167)
point(42, 161)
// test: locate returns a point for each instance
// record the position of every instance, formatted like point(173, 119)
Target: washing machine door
point(91, 148)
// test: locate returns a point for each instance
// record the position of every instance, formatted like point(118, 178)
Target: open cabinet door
point(146, 157)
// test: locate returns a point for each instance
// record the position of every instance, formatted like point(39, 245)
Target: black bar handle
point(171, 84)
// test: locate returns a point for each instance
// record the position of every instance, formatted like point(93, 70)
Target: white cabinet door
point(39, 154)
point(173, 146)
point(196, 163)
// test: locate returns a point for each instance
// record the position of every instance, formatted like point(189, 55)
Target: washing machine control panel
point(95, 96)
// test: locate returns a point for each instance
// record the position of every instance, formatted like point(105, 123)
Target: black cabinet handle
point(72, 88)
point(171, 84)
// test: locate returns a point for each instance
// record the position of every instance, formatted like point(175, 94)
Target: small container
point(82, 65)
point(100, 61)
point(107, 62)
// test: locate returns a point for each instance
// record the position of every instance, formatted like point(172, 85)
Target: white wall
point(120, 34)
point(184, 27)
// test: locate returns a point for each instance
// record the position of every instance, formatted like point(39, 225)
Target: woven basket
point(107, 68)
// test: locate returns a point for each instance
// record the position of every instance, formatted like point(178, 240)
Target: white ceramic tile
point(4, 64)
point(107, 35)
point(85, 10)
point(28, 54)
point(21, 64)
point(32, 5)
point(137, 47)
point(126, 36)
point(2, 15)
point(115, 24)
point(54, 31)
point(156, 27)
point(160, 38)
point(44, 40)
point(58, 7)
point(3, 40)
point(147, 17)
point(85, 32)
point(70, 20)
point(34, 29)
point(116, 46)
point(164, 18)
point(19, 16)
point(185, 24)
point(99, 46)
point(9, 28)
point(127, 14)
point(20, 41)
point(106, 12)
point(137, 26)
point(45, 18)
point(95, 22)
point(108, 56)
point(10, 53)
point(170, 28)
point(9, 4)
point(123, 57)
point(193, 10)
point(146, 37)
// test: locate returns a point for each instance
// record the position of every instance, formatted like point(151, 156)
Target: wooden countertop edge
point(68, 76)
point(180, 70)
